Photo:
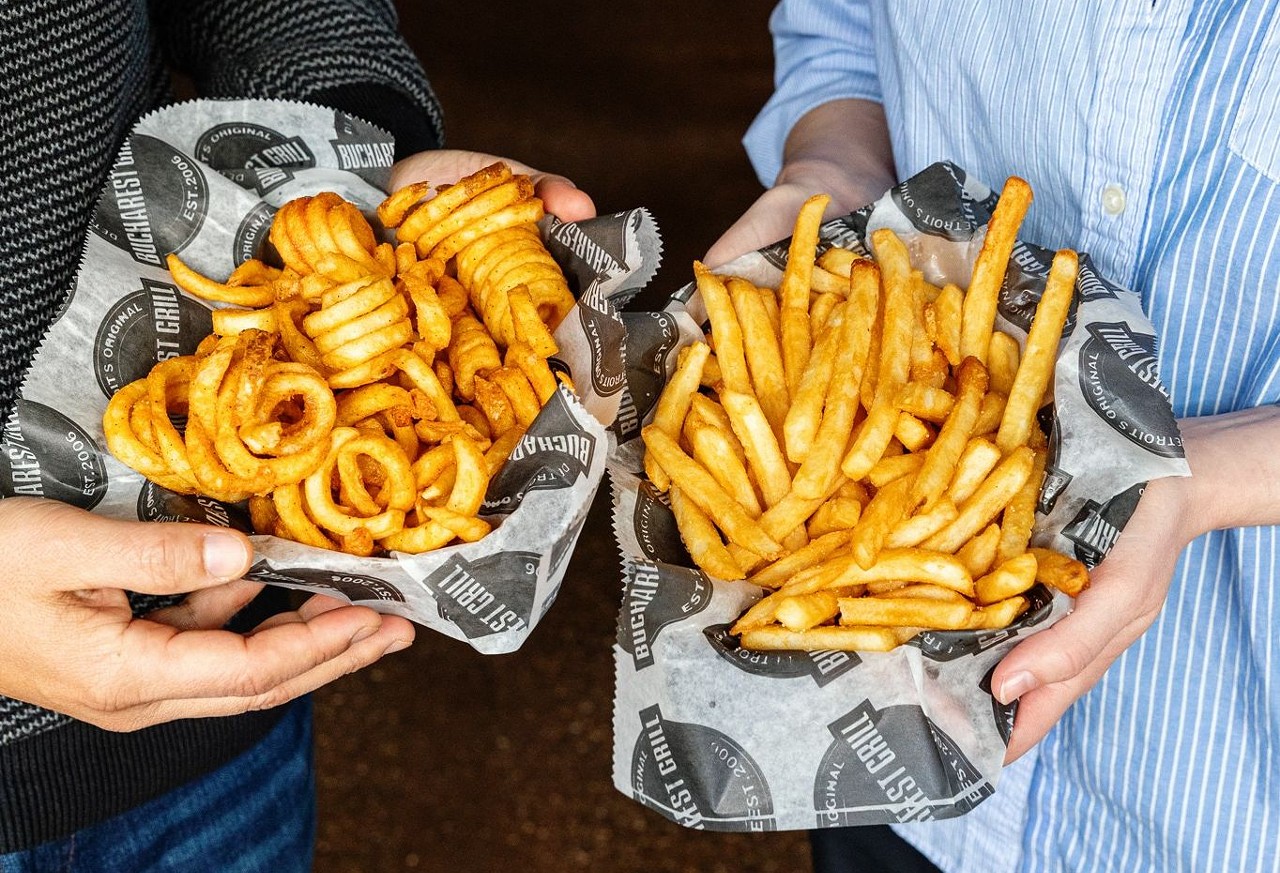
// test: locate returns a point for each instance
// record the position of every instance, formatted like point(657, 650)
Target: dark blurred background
point(440, 759)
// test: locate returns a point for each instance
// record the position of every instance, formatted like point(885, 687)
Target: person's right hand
point(840, 148)
point(69, 642)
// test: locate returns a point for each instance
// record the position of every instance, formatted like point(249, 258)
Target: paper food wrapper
point(204, 179)
point(713, 736)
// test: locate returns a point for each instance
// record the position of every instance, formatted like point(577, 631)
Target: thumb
point(562, 198)
point(75, 549)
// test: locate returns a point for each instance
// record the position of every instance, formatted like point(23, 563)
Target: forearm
point(842, 148)
point(1235, 469)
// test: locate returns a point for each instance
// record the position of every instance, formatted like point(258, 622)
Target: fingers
point(767, 220)
point(562, 198)
point(391, 635)
point(559, 196)
point(74, 550)
point(210, 608)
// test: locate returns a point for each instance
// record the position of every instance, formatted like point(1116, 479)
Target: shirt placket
point(1137, 51)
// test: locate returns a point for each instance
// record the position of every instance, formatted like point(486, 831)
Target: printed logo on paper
point(156, 503)
point(846, 232)
point(656, 530)
point(1096, 528)
point(1056, 479)
point(596, 252)
point(1023, 286)
point(698, 777)
point(352, 586)
point(554, 454)
point(253, 156)
point(154, 202)
point(486, 596)
point(250, 240)
point(933, 201)
point(45, 454)
point(363, 149)
point(651, 337)
point(776, 253)
point(1120, 382)
point(653, 597)
point(940, 645)
point(893, 765)
point(608, 339)
point(144, 328)
point(823, 667)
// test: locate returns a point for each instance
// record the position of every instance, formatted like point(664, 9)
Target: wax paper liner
point(716, 737)
point(204, 178)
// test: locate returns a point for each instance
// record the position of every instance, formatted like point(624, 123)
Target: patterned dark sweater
point(76, 75)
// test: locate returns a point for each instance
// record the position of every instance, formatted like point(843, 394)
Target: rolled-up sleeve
point(823, 51)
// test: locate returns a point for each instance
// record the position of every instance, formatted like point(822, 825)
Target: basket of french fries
point(402, 395)
point(867, 462)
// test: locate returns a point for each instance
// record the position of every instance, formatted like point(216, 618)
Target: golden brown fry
point(979, 553)
point(760, 345)
point(904, 612)
point(1003, 354)
point(1036, 368)
point(1058, 571)
point(1010, 578)
point(944, 455)
point(763, 455)
point(818, 550)
point(804, 611)
point(979, 312)
point(990, 498)
point(891, 505)
point(702, 539)
point(702, 489)
point(793, 292)
point(825, 638)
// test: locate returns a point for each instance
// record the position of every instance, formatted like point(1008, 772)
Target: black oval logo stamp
point(935, 203)
point(1096, 527)
point(156, 503)
point(144, 328)
point(651, 336)
point(553, 454)
point(488, 595)
point(1120, 382)
point(250, 240)
point(608, 339)
point(893, 765)
point(822, 667)
point(698, 777)
point(352, 586)
point(46, 454)
point(155, 200)
point(654, 596)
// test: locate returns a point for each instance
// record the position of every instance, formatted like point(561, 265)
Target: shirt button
point(1113, 200)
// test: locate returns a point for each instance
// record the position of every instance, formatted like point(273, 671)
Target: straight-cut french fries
point(865, 444)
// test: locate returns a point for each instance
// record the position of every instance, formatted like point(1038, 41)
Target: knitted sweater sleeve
point(343, 53)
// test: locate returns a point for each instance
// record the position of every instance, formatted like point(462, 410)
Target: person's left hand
point(559, 195)
point(1051, 669)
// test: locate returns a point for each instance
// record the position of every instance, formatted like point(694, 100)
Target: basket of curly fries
point(403, 395)
point(878, 455)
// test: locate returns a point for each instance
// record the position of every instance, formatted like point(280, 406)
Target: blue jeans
point(256, 814)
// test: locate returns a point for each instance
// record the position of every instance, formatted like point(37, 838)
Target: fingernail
point(1014, 687)
point(363, 634)
point(224, 555)
point(397, 646)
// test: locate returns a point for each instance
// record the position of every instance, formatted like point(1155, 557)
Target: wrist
point(1235, 475)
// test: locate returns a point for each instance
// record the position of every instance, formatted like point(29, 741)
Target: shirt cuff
point(387, 108)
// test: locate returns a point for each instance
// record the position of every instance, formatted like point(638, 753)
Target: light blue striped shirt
point(1150, 133)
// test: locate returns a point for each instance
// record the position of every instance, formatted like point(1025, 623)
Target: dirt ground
point(440, 759)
